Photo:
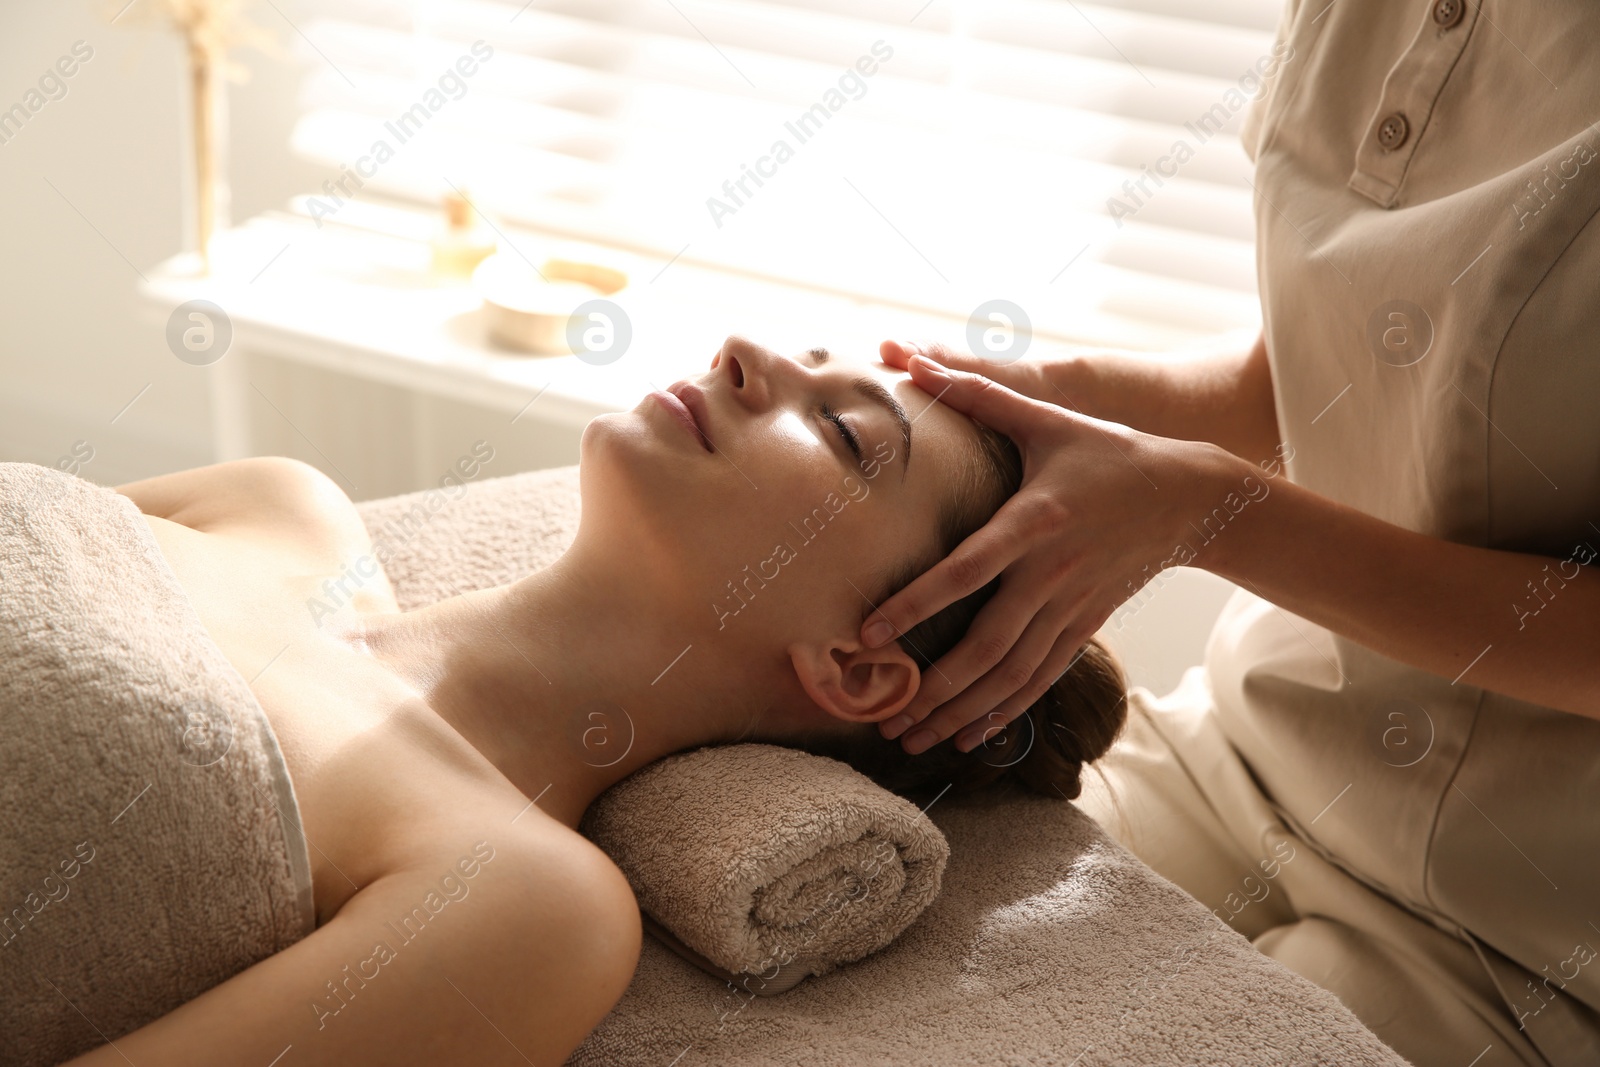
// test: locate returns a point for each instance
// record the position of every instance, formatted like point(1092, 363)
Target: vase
point(208, 103)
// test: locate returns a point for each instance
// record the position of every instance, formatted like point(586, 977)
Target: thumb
point(982, 398)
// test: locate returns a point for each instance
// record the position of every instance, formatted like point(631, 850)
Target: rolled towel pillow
point(766, 865)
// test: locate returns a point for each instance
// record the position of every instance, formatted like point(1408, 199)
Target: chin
point(633, 481)
point(614, 455)
point(628, 445)
point(653, 499)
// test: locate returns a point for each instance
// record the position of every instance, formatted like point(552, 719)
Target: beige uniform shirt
point(1428, 176)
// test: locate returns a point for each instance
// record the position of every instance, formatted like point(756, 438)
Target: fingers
point(1068, 647)
point(1020, 377)
point(988, 679)
point(982, 398)
point(969, 568)
point(898, 354)
point(993, 634)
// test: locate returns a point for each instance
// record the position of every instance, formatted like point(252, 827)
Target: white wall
point(73, 348)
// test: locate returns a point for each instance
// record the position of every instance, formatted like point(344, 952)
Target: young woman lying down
point(752, 517)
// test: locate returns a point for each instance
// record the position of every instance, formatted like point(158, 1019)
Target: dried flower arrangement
point(210, 29)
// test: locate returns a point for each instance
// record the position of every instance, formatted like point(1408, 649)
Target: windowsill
point(355, 296)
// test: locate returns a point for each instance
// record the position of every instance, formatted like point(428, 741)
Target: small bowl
point(528, 309)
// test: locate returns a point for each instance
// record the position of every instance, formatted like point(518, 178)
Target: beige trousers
point(1174, 792)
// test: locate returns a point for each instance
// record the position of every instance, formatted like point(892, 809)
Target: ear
point(855, 683)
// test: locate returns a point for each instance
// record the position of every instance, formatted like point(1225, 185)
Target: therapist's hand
point(1098, 513)
point(1032, 378)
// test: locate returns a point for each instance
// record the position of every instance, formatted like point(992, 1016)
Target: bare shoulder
point(497, 947)
point(559, 921)
point(552, 924)
point(576, 881)
point(273, 496)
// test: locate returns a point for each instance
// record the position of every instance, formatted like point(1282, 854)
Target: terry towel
point(770, 863)
point(150, 846)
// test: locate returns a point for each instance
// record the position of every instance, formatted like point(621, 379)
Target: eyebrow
point(873, 392)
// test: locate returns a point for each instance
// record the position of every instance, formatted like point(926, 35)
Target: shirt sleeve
point(1250, 129)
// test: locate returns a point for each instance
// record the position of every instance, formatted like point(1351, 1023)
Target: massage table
point(128, 731)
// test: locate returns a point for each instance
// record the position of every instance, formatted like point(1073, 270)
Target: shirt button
point(1392, 131)
point(1447, 13)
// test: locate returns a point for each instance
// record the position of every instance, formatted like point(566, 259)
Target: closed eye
point(850, 439)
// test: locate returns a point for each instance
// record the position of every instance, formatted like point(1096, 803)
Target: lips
point(688, 403)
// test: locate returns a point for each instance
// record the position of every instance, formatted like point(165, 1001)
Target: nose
point(748, 369)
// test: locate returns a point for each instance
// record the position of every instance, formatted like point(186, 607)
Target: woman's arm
point(1222, 395)
point(517, 970)
point(1103, 508)
point(1524, 625)
point(1432, 604)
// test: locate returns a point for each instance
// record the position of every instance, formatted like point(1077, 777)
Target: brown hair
point(1046, 747)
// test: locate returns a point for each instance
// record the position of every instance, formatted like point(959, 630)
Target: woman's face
point(772, 496)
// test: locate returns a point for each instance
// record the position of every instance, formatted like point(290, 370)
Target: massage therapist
point(1402, 475)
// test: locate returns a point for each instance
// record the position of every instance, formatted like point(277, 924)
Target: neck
point(567, 681)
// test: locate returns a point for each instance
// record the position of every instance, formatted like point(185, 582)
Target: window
point(931, 154)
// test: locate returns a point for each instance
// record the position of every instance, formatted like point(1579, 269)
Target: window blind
point(932, 154)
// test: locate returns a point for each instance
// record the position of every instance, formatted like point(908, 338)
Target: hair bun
point(1074, 723)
